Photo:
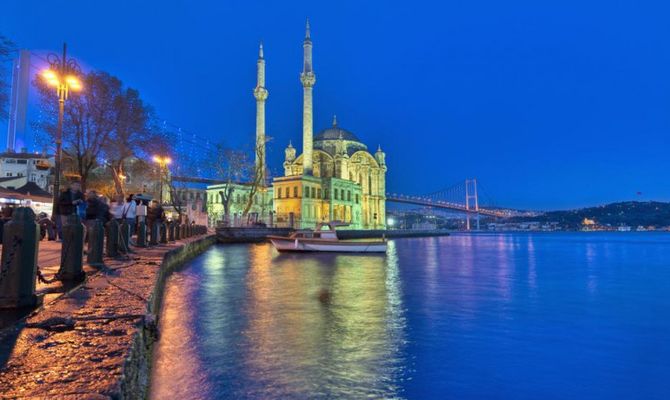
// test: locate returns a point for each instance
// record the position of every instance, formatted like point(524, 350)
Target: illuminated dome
point(327, 139)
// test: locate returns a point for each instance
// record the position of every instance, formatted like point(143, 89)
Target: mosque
point(336, 178)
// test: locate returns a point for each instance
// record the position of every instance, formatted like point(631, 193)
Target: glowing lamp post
point(62, 75)
point(162, 162)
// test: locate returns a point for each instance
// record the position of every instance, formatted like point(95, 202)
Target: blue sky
point(550, 104)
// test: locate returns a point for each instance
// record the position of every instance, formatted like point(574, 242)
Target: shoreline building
point(336, 178)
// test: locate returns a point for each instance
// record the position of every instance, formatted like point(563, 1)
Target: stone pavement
point(93, 341)
point(48, 259)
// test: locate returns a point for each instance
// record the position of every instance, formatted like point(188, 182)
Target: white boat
point(325, 240)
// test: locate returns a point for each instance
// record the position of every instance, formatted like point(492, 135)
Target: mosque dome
point(327, 138)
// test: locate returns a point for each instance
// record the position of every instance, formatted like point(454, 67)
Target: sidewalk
point(95, 340)
point(48, 260)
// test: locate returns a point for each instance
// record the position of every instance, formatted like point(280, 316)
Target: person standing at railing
point(68, 201)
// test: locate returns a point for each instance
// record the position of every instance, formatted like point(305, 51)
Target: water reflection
point(297, 326)
point(483, 316)
point(319, 325)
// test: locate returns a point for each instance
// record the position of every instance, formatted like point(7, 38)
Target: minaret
point(308, 79)
point(261, 94)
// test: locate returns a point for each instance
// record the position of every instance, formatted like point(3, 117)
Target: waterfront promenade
point(92, 340)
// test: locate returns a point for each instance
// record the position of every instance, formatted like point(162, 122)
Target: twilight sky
point(550, 104)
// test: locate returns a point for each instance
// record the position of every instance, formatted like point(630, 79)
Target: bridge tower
point(471, 200)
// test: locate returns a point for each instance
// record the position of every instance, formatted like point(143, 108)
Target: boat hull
point(308, 245)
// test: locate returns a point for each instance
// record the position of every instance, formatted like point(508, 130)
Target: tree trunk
point(117, 171)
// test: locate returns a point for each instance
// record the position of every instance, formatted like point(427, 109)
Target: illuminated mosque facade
point(335, 178)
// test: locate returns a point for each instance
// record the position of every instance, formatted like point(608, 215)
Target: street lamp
point(63, 75)
point(162, 162)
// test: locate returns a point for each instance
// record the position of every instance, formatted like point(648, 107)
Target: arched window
point(369, 184)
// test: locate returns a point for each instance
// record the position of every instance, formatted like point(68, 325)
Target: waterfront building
point(336, 178)
point(24, 167)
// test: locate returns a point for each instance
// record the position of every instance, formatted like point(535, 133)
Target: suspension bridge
point(462, 197)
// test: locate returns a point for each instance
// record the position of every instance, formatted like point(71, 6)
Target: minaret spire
point(308, 80)
point(261, 95)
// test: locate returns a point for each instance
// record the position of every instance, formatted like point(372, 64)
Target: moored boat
point(325, 240)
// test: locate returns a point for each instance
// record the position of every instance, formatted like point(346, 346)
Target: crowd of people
point(91, 206)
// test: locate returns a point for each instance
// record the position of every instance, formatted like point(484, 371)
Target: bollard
point(171, 231)
point(163, 231)
point(124, 237)
point(177, 230)
point(142, 234)
point(71, 250)
point(96, 239)
point(153, 234)
point(112, 244)
point(18, 268)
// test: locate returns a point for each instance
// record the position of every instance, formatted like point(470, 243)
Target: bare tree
point(258, 180)
point(230, 166)
point(89, 121)
point(136, 134)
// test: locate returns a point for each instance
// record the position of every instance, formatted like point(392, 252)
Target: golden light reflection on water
point(176, 357)
point(323, 324)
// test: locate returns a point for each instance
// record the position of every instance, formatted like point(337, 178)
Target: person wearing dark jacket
point(96, 208)
point(156, 214)
point(67, 205)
